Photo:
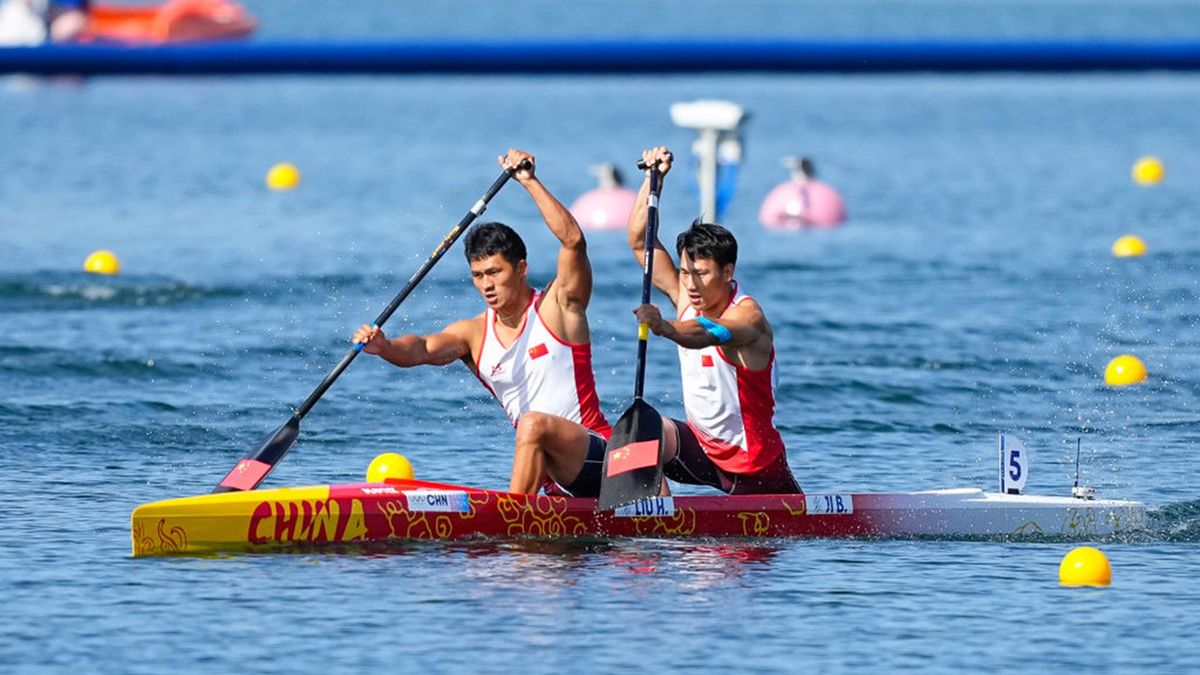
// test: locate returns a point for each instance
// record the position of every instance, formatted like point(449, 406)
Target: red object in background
point(172, 21)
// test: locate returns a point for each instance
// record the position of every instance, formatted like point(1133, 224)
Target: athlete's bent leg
point(547, 444)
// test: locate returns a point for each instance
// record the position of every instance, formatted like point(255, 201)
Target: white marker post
point(717, 123)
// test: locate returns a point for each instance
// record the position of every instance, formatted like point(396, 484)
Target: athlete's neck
point(718, 308)
point(510, 315)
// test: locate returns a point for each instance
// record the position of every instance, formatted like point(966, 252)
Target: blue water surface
point(971, 292)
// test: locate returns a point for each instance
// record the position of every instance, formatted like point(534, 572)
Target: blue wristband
point(715, 329)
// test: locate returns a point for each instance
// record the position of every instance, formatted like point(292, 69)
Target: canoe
point(174, 21)
point(366, 513)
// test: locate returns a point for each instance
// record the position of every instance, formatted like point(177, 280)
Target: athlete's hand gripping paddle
point(633, 460)
point(255, 465)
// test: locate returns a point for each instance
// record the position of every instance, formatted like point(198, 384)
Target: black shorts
point(587, 483)
point(693, 466)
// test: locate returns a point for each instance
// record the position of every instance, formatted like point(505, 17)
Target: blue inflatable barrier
point(602, 56)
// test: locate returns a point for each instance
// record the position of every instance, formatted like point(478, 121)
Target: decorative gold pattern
point(682, 524)
point(539, 515)
point(754, 524)
point(1029, 529)
point(792, 511)
point(162, 541)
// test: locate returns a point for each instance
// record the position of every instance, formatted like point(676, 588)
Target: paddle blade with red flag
point(632, 464)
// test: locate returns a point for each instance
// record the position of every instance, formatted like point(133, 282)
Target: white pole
point(706, 148)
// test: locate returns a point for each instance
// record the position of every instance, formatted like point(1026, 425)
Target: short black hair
point(709, 241)
point(485, 239)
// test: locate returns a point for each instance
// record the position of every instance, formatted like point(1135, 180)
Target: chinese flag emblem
point(632, 456)
point(706, 361)
point(246, 474)
point(538, 351)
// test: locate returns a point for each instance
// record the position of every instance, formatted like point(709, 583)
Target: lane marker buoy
point(1148, 170)
point(1124, 370)
point(283, 176)
point(1085, 566)
point(389, 465)
point(102, 262)
point(1129, 246)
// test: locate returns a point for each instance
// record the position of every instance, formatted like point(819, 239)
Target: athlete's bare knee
point(534, 427)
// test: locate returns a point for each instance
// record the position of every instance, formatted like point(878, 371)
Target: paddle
point(633, 460)
point(255, 466)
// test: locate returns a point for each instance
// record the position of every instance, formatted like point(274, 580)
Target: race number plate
point(444, 501)
point(823, 505)
point(1014, 465)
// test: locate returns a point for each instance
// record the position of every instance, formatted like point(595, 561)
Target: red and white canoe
point(263, 520)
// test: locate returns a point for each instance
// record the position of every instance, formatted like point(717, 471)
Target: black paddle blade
point(255, 466)
point(633, 461)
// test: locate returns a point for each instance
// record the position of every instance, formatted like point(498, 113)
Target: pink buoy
point(802, 202)
point(608, 206)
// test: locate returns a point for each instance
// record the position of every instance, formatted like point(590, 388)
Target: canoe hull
point(264, 520)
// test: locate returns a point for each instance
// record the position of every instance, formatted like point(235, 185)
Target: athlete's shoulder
point(468, 328)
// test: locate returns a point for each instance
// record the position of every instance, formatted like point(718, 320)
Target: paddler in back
point(530, 348)
point(726, 358)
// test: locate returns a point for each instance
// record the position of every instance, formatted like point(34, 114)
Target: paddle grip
point(641, 164)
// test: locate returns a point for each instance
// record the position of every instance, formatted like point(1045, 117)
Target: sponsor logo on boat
point(380, 491)
point(823, 505)
point(651, 507)
point(442, 501)
point(307, 520)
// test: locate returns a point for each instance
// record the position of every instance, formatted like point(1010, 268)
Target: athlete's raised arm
point(666, 275)
point(572, 286)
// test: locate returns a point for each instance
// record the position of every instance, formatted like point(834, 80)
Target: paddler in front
point(530, 348)
point(726, 358)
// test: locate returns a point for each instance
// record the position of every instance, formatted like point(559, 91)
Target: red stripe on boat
point(632, 456)
point(246, 474)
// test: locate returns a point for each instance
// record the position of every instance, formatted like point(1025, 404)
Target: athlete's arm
point(572, 285)
point(666, 275)
point(438, 349)
point(742, 325)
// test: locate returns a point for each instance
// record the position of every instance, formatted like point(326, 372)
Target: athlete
point(531, 348)
point(726, 357)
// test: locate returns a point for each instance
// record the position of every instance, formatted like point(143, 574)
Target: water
point(972, 292)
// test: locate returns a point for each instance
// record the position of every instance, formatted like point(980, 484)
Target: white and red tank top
point(540, 372)
point(730, 408)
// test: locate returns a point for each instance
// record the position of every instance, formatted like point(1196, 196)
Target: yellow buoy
point(389, 465)
point(1124, 370)
point(1148, 171)
point(283, 176)
point(1085, 566)
point(102, 262)
point(1129, 246)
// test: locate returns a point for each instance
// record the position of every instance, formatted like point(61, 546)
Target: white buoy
point(717, 124)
